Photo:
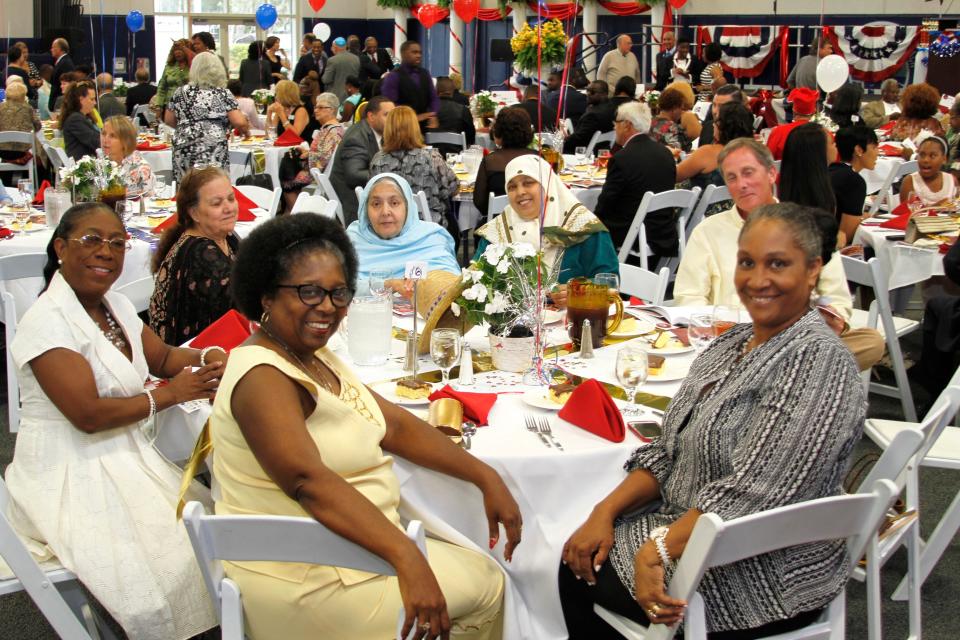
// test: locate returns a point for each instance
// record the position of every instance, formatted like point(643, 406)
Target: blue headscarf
point(418, 240)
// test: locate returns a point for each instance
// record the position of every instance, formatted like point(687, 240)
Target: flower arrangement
point(652, 98)
point(548, 38)
point(824, 120)
point(91, 176)
point(482, 104)
point(500, 287)
point(262, 97)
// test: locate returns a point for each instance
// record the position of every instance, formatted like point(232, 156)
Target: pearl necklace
point(113, 332)
point(316, 374)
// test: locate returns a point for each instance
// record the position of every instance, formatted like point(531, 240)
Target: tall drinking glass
point(632, 371)
point(701, 331)
point(378, 282)
point(725, 317)
point(370, 329)
point(158, 186)
point(445, 350)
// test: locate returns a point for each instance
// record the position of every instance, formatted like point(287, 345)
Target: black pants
point(577, 599)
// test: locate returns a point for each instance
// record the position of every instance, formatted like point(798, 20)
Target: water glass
point(452, 159)
point(445, 350)
point(370, 329)
point(25, 187)
point(124, 209)
point(701, 331)
point(725, 317)
point(611, 280)
point(378, 282)
point(581, 155)
point(158, 186)
point(632, 371)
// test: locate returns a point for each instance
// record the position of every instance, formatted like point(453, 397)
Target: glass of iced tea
point(725, 317)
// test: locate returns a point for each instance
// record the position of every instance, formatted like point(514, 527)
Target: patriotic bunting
point(875, 51)
point(746, 49)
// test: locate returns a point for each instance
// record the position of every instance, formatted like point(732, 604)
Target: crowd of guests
point(297, 433)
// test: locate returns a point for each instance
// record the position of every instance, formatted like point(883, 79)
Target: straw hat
point(434, 295)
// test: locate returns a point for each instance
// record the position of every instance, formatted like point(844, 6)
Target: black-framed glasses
point(312, 295)
point(92, 242)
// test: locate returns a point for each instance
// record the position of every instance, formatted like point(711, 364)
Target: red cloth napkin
point(591, 408)
point(245, 204)
point(889, 126)
point(891, 150)
point(288, 139)
point(40, 192)
point(902, 213)
point(151, 146)
point(634, 301)
point(476, 406)
point(227, 331)
point(166, 224)
point(5, 233)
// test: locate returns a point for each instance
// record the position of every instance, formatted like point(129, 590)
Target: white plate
point(141, 222)
point(539, 398)
point(33, 228)
point(641, 326)
point(551, 316)
point(671, 371)
point(388, 391)
point(674, 346)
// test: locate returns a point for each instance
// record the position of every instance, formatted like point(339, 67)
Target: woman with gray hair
point(327, 138)
point(202, 112)
point(16, 115)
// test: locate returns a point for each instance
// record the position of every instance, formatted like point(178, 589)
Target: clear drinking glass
point(158, 186)
point(124, 209)
point(581, 155)
point(701, 331)
point(452, 159)
point(378, 282)
point(632, 371)
point(725, 317)
point(612, 281)
point(445, 350)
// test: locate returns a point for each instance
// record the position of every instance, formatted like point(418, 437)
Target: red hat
point(804, 101)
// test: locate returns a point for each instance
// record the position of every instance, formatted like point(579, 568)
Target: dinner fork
point(532, 428)
point(543, 425)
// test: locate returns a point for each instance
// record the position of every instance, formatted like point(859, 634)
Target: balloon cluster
point(945, 46)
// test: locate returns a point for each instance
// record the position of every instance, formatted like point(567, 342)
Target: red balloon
point(317, 4)
point(467, 9)
point(429, 15)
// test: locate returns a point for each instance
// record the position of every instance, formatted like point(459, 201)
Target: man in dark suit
point(374, 60)
point(313, 60)
point(664, 60)
point(543, 117)
point(411, 85)
point(574, 102)
point(140, 93)
point(641, 165)
point(108, 104)
point(598, 117)
point(351, 162)
point(62, 63)
point(453, 116)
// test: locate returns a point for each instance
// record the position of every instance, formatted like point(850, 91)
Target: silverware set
point(541, 427)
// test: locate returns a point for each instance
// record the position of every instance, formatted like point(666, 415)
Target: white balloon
point(322, 31)
point(832, 72)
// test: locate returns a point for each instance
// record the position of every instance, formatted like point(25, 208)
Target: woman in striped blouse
point(763, 397)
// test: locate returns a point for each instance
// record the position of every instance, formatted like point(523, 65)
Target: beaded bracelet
point(206, 350)
point(153, 404)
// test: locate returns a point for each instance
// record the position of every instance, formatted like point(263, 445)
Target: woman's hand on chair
point(588, 547)
point(650, 588)
point(423, 602)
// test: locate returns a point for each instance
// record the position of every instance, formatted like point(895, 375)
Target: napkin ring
point(446, 414)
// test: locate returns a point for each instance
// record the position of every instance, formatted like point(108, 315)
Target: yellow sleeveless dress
point(294, 600)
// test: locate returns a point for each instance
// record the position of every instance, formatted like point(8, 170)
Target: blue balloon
point(266, 16)
point(135, 21)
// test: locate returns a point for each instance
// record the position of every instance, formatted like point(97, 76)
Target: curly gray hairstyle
point(328, 99)
point(637, 114)
point(207, 71)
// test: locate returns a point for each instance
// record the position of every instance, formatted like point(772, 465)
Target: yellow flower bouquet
point(548, 37)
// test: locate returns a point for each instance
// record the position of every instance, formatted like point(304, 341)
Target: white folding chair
point(711, 195)
point(325, 189)
point(239, 163)
point(682, 199)
point(138, 292)
point(496, 205)
point(599, 138)
point(870, 274)
point(715, 543)
point(264, 198)
point(25, 137)
point(424, 205)
point(54, 590)
point(446, 137)
point(58, 157)
point(145, 111)
point(254, 538)
point(899, 170)
point(328, 170)
point(568, 126)
point(27, 270)
point(319, 205)
point(646, 285)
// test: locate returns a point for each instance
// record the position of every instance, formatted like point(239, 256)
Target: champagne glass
point(701, 331)
point(378, 282)
point(25, 187)
point(725, 317)
point(632, 371)
point(158, 186)
point(445, 350)
point(581, 155)
point(124, 209)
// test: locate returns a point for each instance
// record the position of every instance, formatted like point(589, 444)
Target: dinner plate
point(32, 227)
point(388, 391)
point(672, 370)
point(632, 328)
point(551, 316)
point(145, 222)
point(540, 399)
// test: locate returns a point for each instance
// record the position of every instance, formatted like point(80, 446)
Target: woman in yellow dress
point(296, 433)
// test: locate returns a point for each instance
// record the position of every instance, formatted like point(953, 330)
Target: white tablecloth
point(904, 264)
point(163, 161)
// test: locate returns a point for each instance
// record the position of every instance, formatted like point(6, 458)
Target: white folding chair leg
point(930, 554)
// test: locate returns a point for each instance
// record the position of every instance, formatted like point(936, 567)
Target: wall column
point(456, 43)
point(399, 29)
point(589, 27)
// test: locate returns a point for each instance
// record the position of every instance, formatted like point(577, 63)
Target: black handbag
point(254, 179)
point(290, 165)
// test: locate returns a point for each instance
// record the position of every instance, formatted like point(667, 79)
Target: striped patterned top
point(774, 428)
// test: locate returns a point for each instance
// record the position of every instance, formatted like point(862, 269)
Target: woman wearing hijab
point(544, 213)
point(388, 233)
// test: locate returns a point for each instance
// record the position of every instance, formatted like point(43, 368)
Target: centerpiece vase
point(511, 354)
point(112, 195)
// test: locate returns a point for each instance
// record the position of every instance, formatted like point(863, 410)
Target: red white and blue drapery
point(874, 52)
point(746, 49)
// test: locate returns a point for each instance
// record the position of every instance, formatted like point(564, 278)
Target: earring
point(59, 260)
point(265, 317)
point(814, 297)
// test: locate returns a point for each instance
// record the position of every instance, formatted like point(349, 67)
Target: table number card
point(415, 270)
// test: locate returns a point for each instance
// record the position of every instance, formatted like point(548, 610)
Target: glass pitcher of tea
point(589, 300)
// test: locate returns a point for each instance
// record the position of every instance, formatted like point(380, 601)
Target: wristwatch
point(659, 537)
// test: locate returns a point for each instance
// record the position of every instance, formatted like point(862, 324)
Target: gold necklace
point(316, 374)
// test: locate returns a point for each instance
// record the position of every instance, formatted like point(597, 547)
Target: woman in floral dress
point(203, 112)
point(119, 143)
point(324, 143)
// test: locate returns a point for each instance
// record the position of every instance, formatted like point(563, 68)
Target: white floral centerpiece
point(92, 176)
point(262, 97)
point(483, 104)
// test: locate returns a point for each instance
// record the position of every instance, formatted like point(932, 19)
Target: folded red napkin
point(5, 233)
point(591, 408)
point(889, 126)
point(476, 406)
point(288, 139)
point(227, 331)
point(635, 301)
point(166, 224)
point(890, 150)
point(902, 214)
point(151, 146)
point(245, 204)
point(40, 192)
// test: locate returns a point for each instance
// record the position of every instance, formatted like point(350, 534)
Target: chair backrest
point(424, 205)
point(328, 170)
point(27, 268)
point(496, 205)
point(711, 195)
point(714, 542)
point(567, 125)
point(264, 198)
point(317, 204)
point(682, 199)
point(446, 137)
point(644, 284)
point(325, 189)
point(254, 538)
point(897, 171)
point(145, 111)
point(138, 292)
point(240, 162)
point(600, 138)
point(58, 157)
point(25, 137)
